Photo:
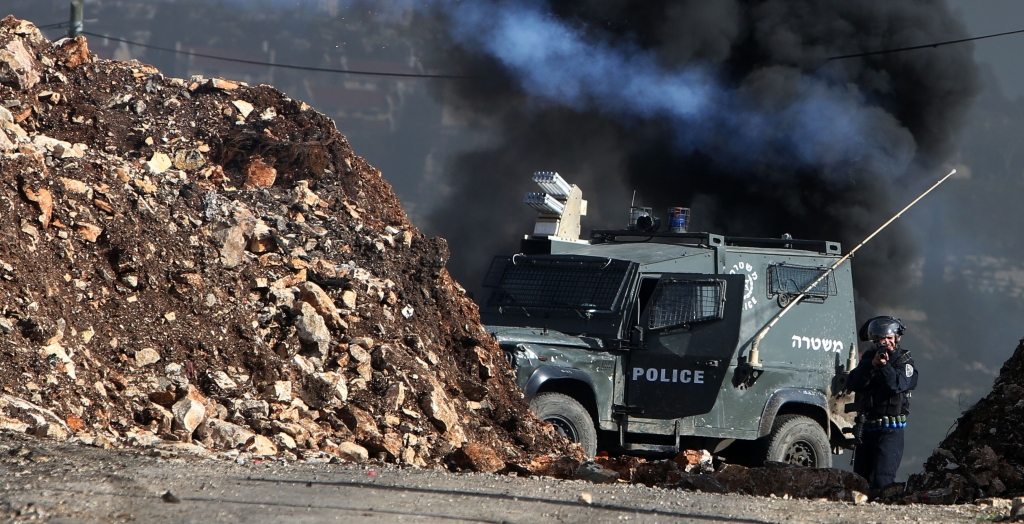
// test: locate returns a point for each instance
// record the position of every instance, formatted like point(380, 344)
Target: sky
point(984, 17)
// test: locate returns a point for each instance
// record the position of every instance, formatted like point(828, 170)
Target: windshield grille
point(574, 282)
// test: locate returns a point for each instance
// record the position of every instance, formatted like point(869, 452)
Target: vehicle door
point(687, 333)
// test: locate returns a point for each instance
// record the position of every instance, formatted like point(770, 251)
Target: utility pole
point(75, 27)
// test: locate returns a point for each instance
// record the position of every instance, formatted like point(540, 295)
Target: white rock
point(285, 440)
point(280, 391)
point(223, 381)
point(261, 446)
point(243, 107)
point(348, 299)
point(146, 356)
point(23, 416)
point(188, 414)
point(159, 163)
point(312, 329)
point(226, 435)
point(352, 452)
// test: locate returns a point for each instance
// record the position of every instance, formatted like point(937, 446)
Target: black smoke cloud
point(770, 136)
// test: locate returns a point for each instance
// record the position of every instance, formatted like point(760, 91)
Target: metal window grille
point(572, 282)
point(785, 279)
point(678, 302)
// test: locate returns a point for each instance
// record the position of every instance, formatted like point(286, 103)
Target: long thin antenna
point(632, 202)
point(754, 357)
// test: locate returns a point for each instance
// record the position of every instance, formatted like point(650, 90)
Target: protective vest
point(880, 403)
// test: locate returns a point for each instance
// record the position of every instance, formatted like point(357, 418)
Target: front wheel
point(569, 418)
point(798, 440)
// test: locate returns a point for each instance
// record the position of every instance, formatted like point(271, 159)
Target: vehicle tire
point(569, 418)
point(798, 440)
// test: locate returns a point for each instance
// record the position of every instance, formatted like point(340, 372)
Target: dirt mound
point(984, 455)
point(203, 265)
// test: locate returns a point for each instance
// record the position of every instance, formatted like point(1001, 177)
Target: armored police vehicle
point(643, 337)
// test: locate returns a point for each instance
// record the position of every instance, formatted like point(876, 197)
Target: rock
point(260, 446)
point(594, 472)
point(159, 414)
point(158, 163)
point(359, 422)
point(695, 482)
point(88, 232)
point(322, 303)
point(255, 407)
point(476, 457)
point(586, 498)
point(146, 356)
point(262, 239)
point(304, 195)
point(284, 440)
point(188, 414)
point(322, 390)
point(25, 417)
point(18, 68)
point(394, 397)
point(352, 452)
point(74, 186)
point(43, 200)
point(170, 498)
point(280, 391)
point(226, 435)
point(312, 329)
point(244, 108)
point(830, 483)
point(75, 423)
point(358, 353)
point(550, 465)
point(259, 175)
point(438, 407)
point(72, 51)
point(695, 461)
point(348, 299)
point(64, 362)
point(223, 381)
point(5, 142)
point(188, 159)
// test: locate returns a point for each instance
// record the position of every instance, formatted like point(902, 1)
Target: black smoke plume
point(782, 139)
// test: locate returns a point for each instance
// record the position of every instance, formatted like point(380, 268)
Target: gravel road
point(67, 483)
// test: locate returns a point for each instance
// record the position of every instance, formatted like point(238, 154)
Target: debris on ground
point(984, 455)
point(202, 266)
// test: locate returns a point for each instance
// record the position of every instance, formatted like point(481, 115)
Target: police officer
point(882, 380)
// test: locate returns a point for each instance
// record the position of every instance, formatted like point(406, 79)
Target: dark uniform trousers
point(882, 392)
point(879, 456)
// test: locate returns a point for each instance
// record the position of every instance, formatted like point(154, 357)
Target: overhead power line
point(52, 26)
point(924, 46)
point(270, 64)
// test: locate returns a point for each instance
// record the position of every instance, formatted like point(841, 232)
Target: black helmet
point(881, 327)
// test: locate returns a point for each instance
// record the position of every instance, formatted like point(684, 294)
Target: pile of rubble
point(984, 455)
point(201, 265)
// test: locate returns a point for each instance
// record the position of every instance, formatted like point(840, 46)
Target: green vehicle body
point(659, 386)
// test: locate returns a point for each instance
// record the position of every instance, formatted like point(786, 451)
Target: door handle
point(711, 363)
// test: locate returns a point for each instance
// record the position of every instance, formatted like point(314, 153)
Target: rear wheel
point(798, 440)
point(569, 418)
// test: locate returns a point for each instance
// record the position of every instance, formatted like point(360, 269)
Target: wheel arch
point(795, 401)
point(567, 381)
